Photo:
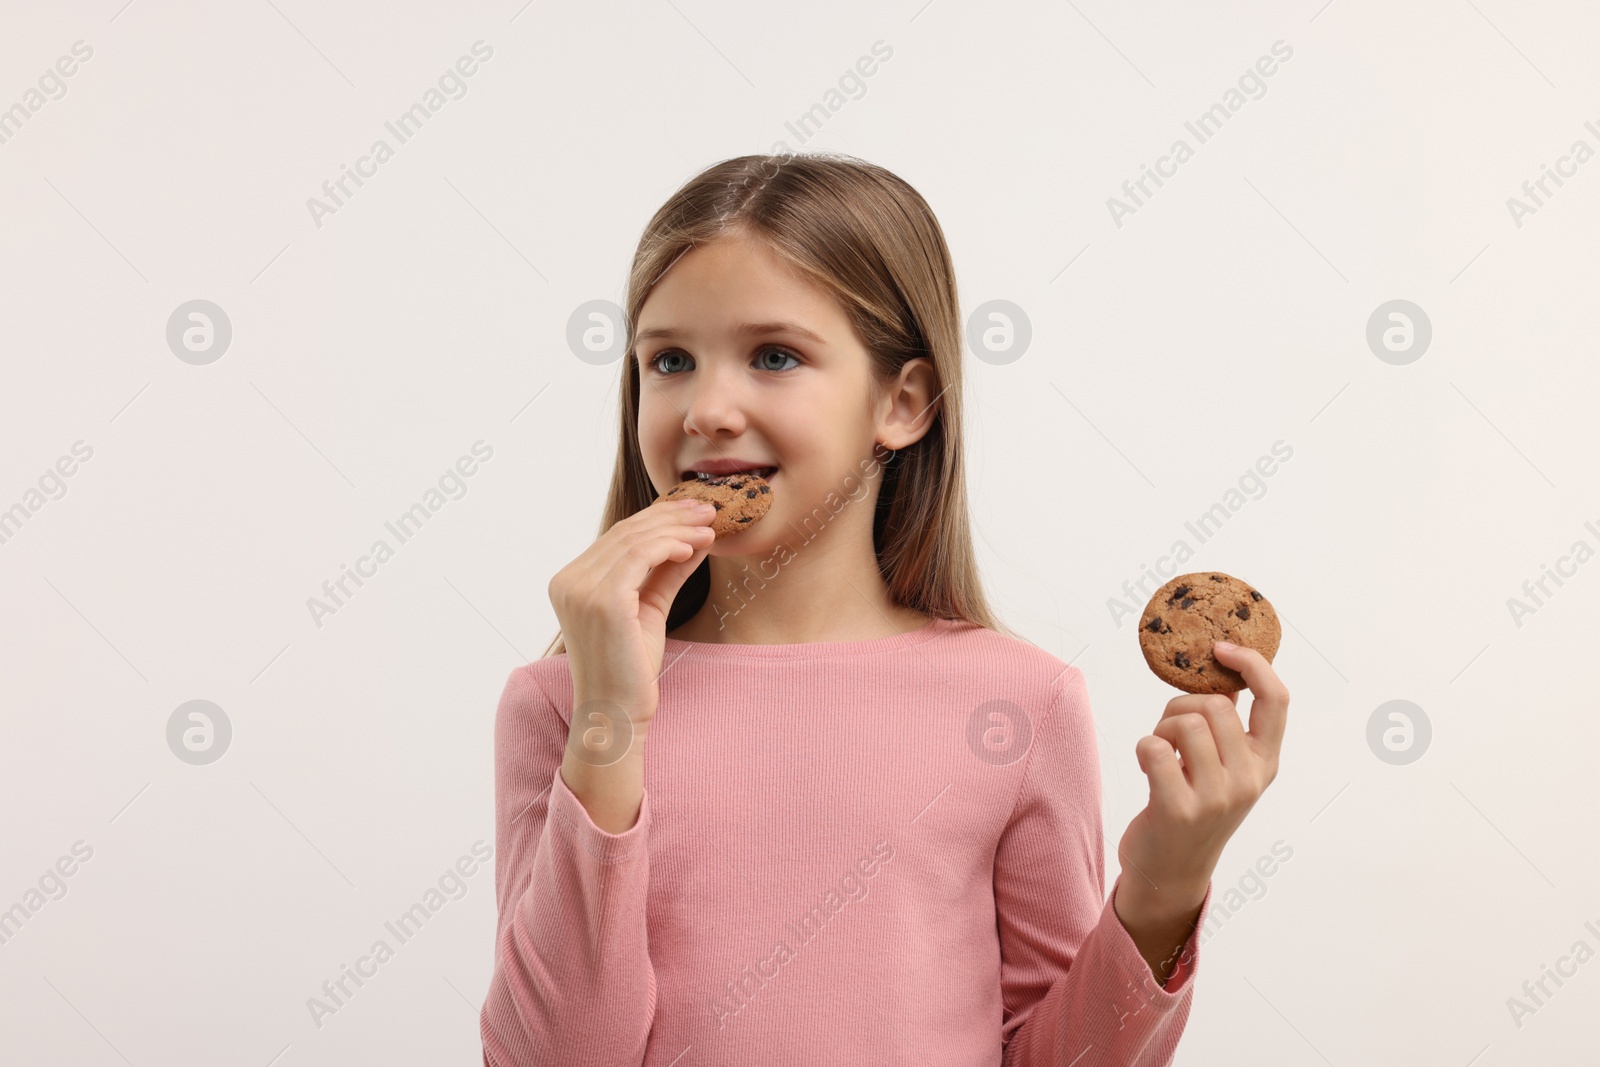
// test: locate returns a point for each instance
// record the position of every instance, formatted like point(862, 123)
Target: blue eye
point(662, 355)
point(652, 363)
point(780, 352)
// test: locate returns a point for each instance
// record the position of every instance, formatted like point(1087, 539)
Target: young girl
point(795, 796)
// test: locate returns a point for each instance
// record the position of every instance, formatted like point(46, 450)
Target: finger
point(1190, 734)
point(1187, 704)
point(614, 549)
point(602, 553)
point(634, 564)
point(1269, 706)
point(1180, 705)
point(664, 511)
point(1226, 730)
point(661, 587)
point(1168, 787)
point(674, 511)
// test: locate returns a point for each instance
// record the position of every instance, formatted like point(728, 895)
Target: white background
point(368, 354)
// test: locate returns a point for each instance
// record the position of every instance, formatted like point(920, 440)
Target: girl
point(795, 796)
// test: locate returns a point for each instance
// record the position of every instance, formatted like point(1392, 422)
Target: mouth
point(765, 473)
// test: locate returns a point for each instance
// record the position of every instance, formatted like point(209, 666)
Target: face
point(742, 358)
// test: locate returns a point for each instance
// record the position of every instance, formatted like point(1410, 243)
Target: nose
point(716, 401)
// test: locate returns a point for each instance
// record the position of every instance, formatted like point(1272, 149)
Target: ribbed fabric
point(842, 857)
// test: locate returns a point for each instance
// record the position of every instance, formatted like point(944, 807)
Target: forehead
point(732, 285)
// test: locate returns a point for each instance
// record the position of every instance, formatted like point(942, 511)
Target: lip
point(719, 467)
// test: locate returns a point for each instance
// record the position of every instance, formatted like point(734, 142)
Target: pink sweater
point(846, 854)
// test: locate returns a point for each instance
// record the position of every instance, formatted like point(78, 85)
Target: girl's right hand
point(613, 600)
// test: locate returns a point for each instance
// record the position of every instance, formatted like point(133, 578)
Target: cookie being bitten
point(1188, 614)
point(740, 499)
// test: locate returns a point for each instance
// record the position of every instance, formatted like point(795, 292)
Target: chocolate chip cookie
point(1190, 612)
point(740, 499)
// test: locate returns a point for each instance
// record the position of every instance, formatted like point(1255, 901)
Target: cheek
point(656, 441)
point(655, 423)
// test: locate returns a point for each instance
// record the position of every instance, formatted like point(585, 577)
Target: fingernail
point(1224, 646)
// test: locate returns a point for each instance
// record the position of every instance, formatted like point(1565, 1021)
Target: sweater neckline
point(675, 647)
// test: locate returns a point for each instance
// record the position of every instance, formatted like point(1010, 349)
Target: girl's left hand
point(1171, 847)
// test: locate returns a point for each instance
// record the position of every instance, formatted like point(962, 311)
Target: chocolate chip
point(1188, 602)
point(1181, 591)
point(673, 490)
point(747, 518)
point(1216, 578)
point(1255, 595)
point(766, 488)
point(716, 505)
point(735, 485)
point(1154, 625)
point(1244, 611)
point(1181, 660)
point(750, 494)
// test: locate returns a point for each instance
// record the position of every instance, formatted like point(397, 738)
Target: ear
point(910, 404)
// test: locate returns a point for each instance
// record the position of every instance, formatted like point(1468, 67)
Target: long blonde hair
point(864, 235)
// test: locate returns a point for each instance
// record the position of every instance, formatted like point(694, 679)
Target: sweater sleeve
point(573, 983)
point(1074, 987)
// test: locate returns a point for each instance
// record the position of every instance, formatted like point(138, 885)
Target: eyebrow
point(749, 329)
